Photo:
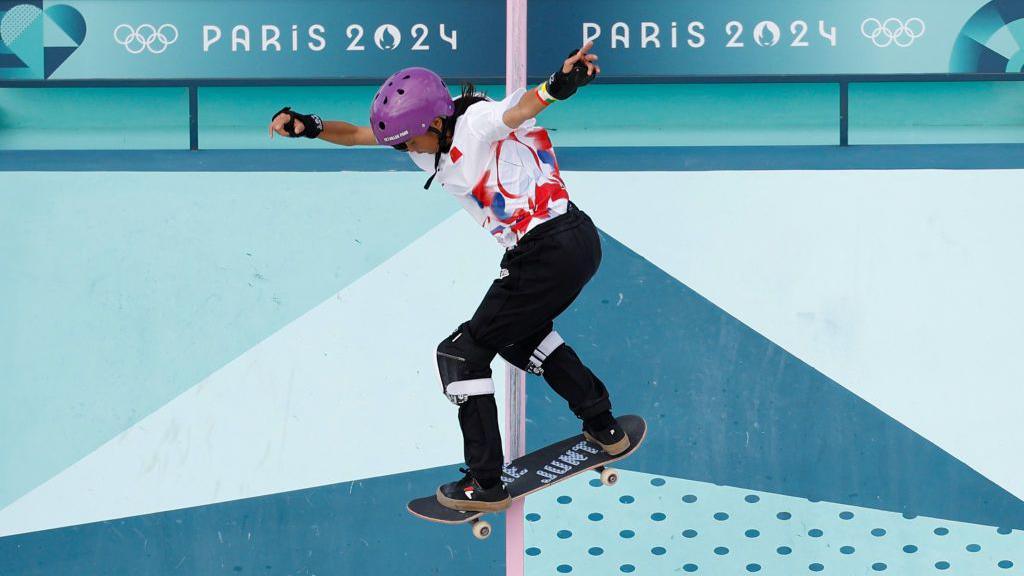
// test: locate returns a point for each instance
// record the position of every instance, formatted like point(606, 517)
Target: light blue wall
point(601, 115)
point(933, 113)
point(698, 115)
point(93, 118)
point(238, 117)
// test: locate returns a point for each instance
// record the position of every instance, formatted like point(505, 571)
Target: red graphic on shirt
point(526, 188)
point(483, 193)
point(455, 154)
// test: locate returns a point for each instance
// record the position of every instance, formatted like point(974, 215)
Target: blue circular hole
point(973, 548)
point(657, 482)
point(657, 516)
point(942, 565)
point(910, 548)
point(751, 533)
point(909, 516)
point(627, 568)
point(564, 499)
point(846, 515)
point(565, 568)
point(879, 567)
point(878, 532)
point(1003, 530)
point(721, 516)
point(564, 534)
point(940, 531)
point(595, 516)
point(596, 551)
point(784, 550)
point(532, 517)
point(689, 499)
point(815, 533)
point(596, 483)
point(533, 551)
point(847, 550)
point(690, 533)
point(657, 550)
point(627, 533)
point(1005, 564)
point(816, 567)
point(721, 550)
point(753, 567)
point(690, 567)
point(753, 499)
point(783, 515)
point(627, 499)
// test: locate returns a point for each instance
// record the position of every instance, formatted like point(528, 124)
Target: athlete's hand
point(290, 123)
point(584, 57)
point(277, 125)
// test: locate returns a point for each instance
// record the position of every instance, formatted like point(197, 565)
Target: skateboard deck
point(541, 469)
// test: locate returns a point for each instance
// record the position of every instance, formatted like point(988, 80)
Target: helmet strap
point(443, 146)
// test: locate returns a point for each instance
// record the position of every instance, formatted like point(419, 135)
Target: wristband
point(543, 95)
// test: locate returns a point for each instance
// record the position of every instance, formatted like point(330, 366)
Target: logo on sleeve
point(455, 154)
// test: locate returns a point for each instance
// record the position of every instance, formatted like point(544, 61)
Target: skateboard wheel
point(481, 529)
point(609, 477)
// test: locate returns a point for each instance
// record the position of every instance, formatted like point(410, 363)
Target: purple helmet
point(406, 104)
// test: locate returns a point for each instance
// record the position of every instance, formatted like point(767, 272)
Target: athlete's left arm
point(577, 70)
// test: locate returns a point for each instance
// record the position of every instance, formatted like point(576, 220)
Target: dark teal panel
point(358, 528)
point(726, 405)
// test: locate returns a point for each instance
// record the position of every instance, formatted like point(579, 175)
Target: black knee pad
point(464, 367)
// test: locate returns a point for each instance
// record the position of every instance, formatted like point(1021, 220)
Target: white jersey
point(506, 179)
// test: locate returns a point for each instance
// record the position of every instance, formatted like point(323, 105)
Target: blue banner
point(665, 38)
point(465, 39)
point(309, 39)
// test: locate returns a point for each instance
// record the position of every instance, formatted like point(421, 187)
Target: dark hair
point(470, 95)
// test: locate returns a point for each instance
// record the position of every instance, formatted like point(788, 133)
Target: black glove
point(313, 126)
point(561, 85)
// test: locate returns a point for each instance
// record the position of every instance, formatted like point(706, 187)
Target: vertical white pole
point(515, 379)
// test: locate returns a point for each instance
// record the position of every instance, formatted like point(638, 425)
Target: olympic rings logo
point(892, 31)
point(145, 37)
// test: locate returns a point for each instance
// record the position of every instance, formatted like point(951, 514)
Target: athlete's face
point(425, 143)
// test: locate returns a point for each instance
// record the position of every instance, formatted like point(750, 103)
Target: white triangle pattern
point(904, 286)
point(303, 407)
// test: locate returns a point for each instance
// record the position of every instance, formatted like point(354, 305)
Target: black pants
point(540, 278)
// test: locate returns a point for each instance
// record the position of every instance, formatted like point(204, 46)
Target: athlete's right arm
point(291, 124)
point(346, 134)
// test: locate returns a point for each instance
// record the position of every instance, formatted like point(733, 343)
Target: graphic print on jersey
point(521, 186)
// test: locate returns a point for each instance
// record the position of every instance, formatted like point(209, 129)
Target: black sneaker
point(467, 494)
point(612, 439)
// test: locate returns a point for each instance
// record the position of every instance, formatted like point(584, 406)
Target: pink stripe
point(515, 380)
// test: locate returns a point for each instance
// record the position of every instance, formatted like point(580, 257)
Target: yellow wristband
point(543, 95)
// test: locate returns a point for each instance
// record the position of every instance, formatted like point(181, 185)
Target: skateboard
point(538, 470)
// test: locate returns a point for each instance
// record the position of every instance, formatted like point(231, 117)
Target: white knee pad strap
point(459, 391)
point(548, 345)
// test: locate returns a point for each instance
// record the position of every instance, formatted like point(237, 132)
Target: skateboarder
point(501, 167)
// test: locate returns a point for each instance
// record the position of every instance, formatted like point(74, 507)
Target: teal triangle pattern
point(55, 36)
point(133, 287)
